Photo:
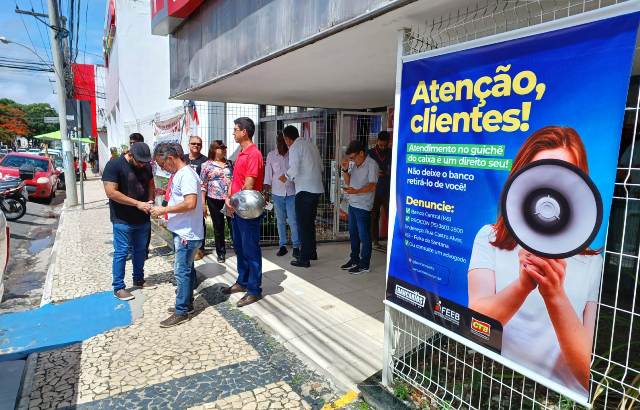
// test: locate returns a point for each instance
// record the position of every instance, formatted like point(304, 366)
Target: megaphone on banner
point(552, 208)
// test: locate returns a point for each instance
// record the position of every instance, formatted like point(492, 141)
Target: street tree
point(12, 122)
point(24, 120)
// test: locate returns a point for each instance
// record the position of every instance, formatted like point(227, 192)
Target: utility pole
point(58, 64)
point(80, 135)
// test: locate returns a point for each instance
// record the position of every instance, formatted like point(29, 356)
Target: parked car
point(56, 157)
point(45, 181)
point(4, 250)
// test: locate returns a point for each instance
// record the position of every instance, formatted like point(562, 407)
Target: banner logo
point(480, 328)
point(413, 297)
point(446, 313)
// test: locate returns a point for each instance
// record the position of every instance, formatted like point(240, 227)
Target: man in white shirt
point(360, 183)
point(185, 222)
point(305, 170)
point(282, 194)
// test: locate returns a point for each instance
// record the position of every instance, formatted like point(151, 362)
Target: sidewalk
point(219, 359)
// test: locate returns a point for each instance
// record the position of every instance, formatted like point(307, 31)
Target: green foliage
point(401, 391)
point(24, 120)
point(363, 405)
point(297, 380)
point(34, 116)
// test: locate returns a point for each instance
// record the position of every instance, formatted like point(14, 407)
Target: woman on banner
point(547, 306)
point(216, 178)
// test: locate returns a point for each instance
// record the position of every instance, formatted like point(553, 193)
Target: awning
point(55, 136)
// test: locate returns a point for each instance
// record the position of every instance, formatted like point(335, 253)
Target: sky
point(29, 87)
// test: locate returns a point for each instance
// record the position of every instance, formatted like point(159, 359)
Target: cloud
point(28, 87)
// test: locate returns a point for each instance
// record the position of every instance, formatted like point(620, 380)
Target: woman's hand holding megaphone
point(525, 279)
point(547, 273)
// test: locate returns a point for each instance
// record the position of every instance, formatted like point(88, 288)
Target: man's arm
point(152, 190)
point(190, 203)
point(249, 182)
point(111, 189)
point(370, 187)
point(294, 163)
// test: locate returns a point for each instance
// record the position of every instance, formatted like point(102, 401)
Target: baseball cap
point(140, 152)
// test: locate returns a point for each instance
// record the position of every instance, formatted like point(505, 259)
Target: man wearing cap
point(128, 183)
point(248, 173)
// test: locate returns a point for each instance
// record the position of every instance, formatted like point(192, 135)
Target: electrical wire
point(29, 36)
point(86, 29)
point(77, 36)
point(26, 68)
point(45, 45)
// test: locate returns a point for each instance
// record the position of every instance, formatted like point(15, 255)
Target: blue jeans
point(185, 272)
point(360, 234)
point(129, 238)
point(286, 213)
point(246, 242)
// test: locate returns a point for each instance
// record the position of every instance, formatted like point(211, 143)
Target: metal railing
point(437, 370)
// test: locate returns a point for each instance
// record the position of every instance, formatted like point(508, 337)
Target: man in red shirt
point(248, 173)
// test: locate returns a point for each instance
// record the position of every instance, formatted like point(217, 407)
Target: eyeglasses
point(198, 144)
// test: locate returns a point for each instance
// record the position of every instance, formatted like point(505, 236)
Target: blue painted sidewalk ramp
point(61, 324)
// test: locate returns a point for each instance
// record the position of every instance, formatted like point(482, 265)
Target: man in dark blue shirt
point(381, 154)
point(128, 183)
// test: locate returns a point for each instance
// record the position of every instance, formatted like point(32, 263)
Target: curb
point(32, 359)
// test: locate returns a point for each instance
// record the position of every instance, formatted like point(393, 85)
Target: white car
point(4, 250)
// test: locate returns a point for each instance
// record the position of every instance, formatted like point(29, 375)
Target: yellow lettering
point(421, 93)
point(416, 129)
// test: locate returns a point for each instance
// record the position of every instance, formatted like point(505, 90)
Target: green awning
point(55, 136)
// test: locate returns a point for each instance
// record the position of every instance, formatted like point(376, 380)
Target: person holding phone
point(360, 183)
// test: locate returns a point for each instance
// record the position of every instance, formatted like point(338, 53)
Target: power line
point(86, 29)
point(21, 61)
point(29, 35)
point(77, 37)
point(26, 68)
point(44, 43)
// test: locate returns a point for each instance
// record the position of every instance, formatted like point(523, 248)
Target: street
point(32, 237)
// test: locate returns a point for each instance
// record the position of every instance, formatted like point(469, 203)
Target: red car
point(44, 183)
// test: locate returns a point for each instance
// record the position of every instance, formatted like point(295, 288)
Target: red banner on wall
point(84, 88)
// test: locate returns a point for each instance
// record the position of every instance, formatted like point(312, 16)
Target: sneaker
point(123, 295)
point(282, 251)
point(174, 320)
point(296, 253)
point(348, 265)
point(221, 259)
point(173, 310)
point(144, 285)
point(358, 270)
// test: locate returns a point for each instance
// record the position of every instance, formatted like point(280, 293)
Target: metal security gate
point(437, 371)
point(330, 130)
point(352, 125)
